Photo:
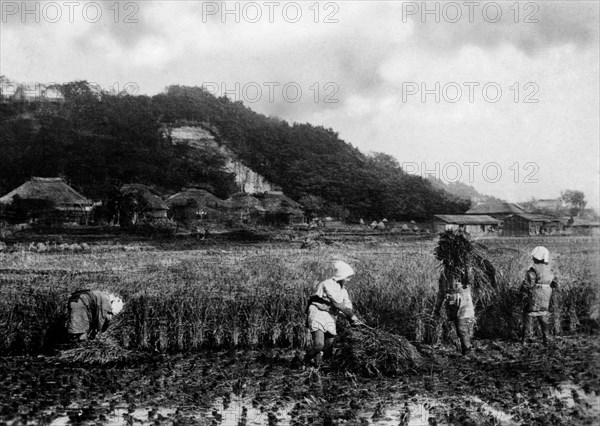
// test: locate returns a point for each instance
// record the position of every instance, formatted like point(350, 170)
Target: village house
point(281, 209)
point(140, 203)
point(246, 208)
point(585, 227)
point(526, 224)
point(497, 210)
point(49, 200)
point(474, 225)
point(195, 203)
point(551, 204)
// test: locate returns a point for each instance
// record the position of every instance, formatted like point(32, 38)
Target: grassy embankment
point(254, 297)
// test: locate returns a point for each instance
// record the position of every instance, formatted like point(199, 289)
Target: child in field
point(454, 289)
point(90, 313)
point(455, 252)
point(330, 299)
point(537, 289)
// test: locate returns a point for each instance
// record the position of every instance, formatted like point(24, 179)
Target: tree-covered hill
point(97, 140)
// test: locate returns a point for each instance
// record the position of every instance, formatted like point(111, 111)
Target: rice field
point(255, 296)
point(242, 306)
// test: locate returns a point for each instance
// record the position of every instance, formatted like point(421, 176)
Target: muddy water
point(231, 412)
point(504, 384)
point(235, 411)
point(573, 395)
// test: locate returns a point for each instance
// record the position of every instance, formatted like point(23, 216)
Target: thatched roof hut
point(200, 197)
point(241, 201)
point(276, 204)
point(151, 206)
point(52, 190)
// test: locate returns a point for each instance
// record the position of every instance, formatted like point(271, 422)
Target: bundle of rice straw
point(104, 349)
point(371, 352)
point(456, 252)
point(100, 351)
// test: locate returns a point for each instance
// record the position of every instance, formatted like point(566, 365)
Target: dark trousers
point(322, 342)
point(464, 331)
point(528, 321)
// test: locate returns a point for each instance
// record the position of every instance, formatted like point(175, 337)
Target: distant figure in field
point(381, 226)
point(90, 313)
point(537, 289)
point(329, 300)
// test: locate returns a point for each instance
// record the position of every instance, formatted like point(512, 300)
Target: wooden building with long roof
point(498, 210)
point(473, 224)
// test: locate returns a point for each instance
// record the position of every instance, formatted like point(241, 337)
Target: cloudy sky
point(501, 95)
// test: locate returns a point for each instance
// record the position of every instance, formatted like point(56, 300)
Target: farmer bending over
point(90, 312)
point(323, 307)
point(537, 290)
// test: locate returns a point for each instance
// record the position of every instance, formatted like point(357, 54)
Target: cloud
point(541, 25)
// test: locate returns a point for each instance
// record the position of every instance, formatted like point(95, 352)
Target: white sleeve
point(332, 291)
point(346, 299)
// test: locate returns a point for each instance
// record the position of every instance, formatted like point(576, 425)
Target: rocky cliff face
point(200, 137)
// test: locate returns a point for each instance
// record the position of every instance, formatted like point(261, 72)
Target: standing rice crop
point(254, 297)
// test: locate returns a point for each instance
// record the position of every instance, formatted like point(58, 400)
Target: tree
point(575, 200)
point(313, 205)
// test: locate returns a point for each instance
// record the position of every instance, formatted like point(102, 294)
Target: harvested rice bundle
point(457, 252)
point(101, 351)
point(104, 349)
point(371, 352)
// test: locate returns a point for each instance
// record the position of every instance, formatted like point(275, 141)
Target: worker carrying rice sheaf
point(537, 289)
point(454, 250)
point(330, 299)
point(454, 289)
point(90, 313)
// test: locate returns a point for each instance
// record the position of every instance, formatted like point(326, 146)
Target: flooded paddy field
point(504, 383)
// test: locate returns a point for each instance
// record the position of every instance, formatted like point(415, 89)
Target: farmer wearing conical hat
point(537, 289)
point(330, 299)
point(90, 313)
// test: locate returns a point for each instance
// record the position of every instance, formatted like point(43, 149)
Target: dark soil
point(523, 382)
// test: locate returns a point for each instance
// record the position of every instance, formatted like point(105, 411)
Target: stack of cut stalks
point(371, 352)
point(457, 252)
point(105, 349)
point(100, 351)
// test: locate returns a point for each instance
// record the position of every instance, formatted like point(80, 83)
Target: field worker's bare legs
point(322, 346)
point(464, 330)
point(528, 327)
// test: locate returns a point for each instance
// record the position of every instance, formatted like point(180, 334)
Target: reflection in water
point(573, 394)
point(411, 414)
point(236, 411)
point(500, 416)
